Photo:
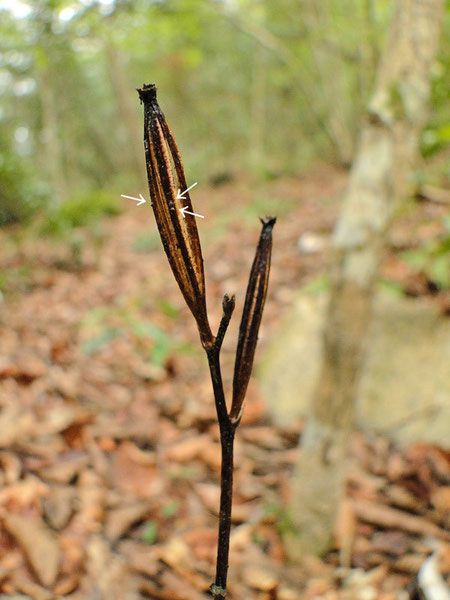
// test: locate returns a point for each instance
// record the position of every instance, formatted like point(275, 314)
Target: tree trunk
point(387, 151)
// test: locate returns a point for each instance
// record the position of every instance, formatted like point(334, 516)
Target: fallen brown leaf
point(65, 469)
point(24, 368)
point(211, 455)
point(177, 554)
point(203, 542)
point(403, 498)
point(34, 591)
point(15, 425)
point(186, 450)
point(395, 543)
point(266, 437)
point(345, 531)
point(119, 520)
point(23, 493)
point(110, 576)
point(91, 496)
point(182, 589)
point(410, 563)
point(174, 588)
point(132, 475)
point(39, 545)
point(440, 498)
point(260, 578)
point(11, 467)
point(58, 506)
point(385, 516)
point(66, 584)
point(141, 557)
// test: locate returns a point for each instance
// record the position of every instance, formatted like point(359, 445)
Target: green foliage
point(283, 520)
point(397, 104)
point(104, 324)
point(436, 136)
point(168, 309)
point(245, 85)
point(15, 279)
point(81, 210)
point(432, 259)
point(162, 343)
point(319, 284)
point(435, 139)
point(146, 242)
point(391, 287)
point(150, 532)
point(182, 472)
point(249, 212)
point(170, 509)
point(20, 194)
point(94, 344)
point(261, 205)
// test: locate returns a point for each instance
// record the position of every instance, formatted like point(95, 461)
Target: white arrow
point(180, 196)
point(184, 210)
point(139, 202)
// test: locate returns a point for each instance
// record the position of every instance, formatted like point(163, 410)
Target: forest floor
point(109, 452)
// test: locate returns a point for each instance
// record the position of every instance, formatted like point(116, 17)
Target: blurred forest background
point(250, 86)
point(109, 449)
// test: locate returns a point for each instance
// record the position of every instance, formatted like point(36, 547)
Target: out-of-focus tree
point(388, 151)
point(252, 72)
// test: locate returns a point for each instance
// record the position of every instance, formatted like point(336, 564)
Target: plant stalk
point(181, 243)
point(227, 429)
point(226, 497)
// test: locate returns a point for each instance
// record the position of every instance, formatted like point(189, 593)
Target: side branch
point(228, 308)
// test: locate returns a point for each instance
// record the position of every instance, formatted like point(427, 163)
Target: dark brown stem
point(226, 497)
point(216, 378)
point(227, 431)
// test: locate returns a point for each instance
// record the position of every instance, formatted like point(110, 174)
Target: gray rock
point(405, 385)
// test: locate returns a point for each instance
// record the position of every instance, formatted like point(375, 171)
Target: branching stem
point(227, 430)
point(181, 243)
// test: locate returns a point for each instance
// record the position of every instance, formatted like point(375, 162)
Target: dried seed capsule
point(251, 317)
point(178, 233)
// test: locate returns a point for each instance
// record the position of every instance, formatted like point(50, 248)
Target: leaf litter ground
point(109, 448)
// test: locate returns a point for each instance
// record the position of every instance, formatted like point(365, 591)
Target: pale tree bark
point(387, 152)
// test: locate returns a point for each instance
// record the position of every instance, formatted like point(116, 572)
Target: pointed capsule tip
point(228, 303)
point(227, 299)
point(268, 222)
point(147, 93)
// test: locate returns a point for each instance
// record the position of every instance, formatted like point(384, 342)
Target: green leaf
point(94, 344)
point(317, 285)
point(440, 271)
point(170, 509)
point(150, 533)
point(162, 343)
point(168, 308)
point(416, 257)
point(392, 287)
point(146, 242)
